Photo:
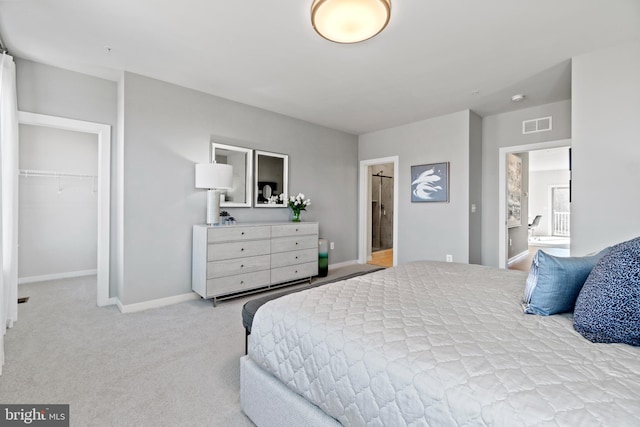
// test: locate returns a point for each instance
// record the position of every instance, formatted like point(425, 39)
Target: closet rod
point(28, 172)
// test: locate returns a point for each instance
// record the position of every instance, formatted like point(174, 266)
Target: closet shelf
point(28, 172)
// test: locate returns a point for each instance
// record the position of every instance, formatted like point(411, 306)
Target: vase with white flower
point(298, 204)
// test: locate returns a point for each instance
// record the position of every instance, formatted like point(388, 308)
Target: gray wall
point(475, 188)
point(167, 130)
point(606, 148)
point(58, 217)
point(505, 130)
point(428, 230)
point(57, 92)
point(518, 235)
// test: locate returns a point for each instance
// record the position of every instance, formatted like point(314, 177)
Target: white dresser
point(236, 259)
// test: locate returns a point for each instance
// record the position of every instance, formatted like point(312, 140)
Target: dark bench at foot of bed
point(250, 307)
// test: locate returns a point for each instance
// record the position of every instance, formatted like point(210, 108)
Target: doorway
point(57, 204)
point(545, 215)
point(381, 215)
point(378, 211)
point(101, 185)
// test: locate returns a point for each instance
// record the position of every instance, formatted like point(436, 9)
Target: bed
point(432, 344)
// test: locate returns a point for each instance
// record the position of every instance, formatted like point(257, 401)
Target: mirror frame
point(285, 179)
point(248, 178)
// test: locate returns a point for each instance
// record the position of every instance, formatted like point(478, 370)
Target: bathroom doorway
point(367, 188)
point(382, 214)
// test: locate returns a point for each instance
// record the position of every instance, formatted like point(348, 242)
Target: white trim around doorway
point(363, 200)
point(502, 189)
point(103, 133)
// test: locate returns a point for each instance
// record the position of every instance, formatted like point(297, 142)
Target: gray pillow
point(608, 307)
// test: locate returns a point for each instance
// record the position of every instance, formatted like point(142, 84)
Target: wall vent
point(542, 124)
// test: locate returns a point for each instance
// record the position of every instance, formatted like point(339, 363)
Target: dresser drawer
point(286, 244)
point(284, 259)
point(300, 271)
point(220, 251)
point(237, 266)
point(285, 230)
point(231, 234)
point(238, 283)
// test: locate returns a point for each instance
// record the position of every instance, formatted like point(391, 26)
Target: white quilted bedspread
point(442, 344)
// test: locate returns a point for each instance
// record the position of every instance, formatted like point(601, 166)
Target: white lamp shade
point(214, 175)
point(350, 21)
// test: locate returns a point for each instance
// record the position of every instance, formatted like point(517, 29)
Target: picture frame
point(514, 191)
point(430, 183)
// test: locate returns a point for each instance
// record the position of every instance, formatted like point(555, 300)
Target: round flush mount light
point(350, 21)
point(517, 98)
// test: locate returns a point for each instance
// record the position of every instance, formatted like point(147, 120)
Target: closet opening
point(63, 201)
point(57, 213)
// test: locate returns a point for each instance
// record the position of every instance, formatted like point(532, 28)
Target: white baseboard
point(342, 264)
point(156, 303)
point(43, 278)
point(518, 257)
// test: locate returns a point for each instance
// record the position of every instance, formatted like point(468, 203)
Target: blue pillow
point(608, 307)
point(554, 283)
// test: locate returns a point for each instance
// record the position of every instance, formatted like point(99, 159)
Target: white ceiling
point(553, 159)
point(426, 63)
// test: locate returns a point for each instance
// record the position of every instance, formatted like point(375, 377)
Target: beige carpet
point(171, 366)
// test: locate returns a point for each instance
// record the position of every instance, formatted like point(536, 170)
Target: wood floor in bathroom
point(382, 258)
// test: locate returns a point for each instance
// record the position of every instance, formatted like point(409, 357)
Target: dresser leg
point(215, 301)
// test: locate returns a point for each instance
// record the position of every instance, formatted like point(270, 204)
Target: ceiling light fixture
point(517, 98)
point(350, 21)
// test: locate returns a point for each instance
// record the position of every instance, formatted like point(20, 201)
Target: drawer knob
point(296, 271)
point(242, 282)
point(296, 229)
point(296, 243)
point(242, 234)
point(296, 257)
point(241, 249)
point(242, 266)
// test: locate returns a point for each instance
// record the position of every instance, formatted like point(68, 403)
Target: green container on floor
point(323, 258)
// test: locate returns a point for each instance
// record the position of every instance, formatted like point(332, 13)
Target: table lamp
point(214, 177)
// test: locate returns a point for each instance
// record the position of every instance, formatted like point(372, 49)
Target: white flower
point(298, 203)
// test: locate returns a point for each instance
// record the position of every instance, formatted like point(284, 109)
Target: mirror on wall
point(272, 174)
point(242, 161)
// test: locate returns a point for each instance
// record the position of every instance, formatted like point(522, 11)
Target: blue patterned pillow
point(608, 307)
point(554, 283)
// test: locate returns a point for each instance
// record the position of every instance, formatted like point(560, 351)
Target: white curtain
point(8, 199)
